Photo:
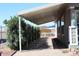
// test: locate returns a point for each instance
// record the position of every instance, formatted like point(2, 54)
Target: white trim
point(19, 34)
point(70, 36)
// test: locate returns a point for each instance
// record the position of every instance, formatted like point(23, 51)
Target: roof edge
point(37, 8)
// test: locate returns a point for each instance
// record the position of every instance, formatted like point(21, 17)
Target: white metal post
point(19, 34)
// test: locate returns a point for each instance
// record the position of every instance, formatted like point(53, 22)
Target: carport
point(60, 13)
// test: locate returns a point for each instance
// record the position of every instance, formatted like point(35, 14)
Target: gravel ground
point(6, 51)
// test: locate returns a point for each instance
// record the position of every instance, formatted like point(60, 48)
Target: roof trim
point(36, 9)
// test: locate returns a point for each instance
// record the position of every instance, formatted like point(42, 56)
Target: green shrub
point(28, 33)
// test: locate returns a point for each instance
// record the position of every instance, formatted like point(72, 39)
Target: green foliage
point(28, 33)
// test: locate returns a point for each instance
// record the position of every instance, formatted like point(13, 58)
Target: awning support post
point(19, 33)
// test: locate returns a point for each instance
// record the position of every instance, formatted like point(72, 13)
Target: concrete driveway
point(43, 52)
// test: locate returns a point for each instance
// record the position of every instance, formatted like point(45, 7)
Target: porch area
point(44, 51)
point(52, 12)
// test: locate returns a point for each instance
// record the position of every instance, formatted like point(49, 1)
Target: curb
point(13, 53)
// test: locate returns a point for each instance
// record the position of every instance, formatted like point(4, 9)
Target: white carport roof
point(43, 14)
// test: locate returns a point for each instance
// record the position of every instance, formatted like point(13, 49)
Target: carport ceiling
point(44, 14)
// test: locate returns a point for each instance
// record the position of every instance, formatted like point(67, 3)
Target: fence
point(3, 32)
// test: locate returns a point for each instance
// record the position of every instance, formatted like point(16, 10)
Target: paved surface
point(44, 52)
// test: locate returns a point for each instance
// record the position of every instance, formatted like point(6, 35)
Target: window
point(73, 18)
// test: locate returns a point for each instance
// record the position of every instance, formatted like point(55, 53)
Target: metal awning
point(43, 14)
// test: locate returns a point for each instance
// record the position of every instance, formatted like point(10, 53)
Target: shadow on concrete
point(57, 44)
point(39, 44)
point(2, 41)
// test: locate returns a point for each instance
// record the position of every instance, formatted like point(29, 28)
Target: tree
point(29, 33)
point(13, 32)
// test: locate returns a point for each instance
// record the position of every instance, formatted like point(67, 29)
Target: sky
point(11, 9)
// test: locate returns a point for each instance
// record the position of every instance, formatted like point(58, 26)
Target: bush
point(28, 33)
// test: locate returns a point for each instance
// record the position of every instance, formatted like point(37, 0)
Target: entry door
point(76, 12)
point(74, 29)
point(78, 32)
point(77, 17)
